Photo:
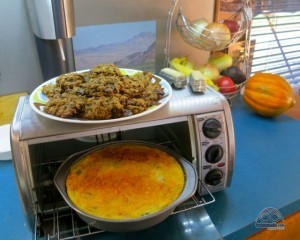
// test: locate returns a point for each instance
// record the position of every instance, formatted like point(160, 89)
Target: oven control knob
point(212, 128)
point(214, 154)
point(214, 177)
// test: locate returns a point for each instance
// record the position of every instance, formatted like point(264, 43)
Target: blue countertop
point(12, 220)
point(266, 173)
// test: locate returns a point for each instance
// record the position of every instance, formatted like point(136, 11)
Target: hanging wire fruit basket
point(212, 39)
point(207, 38)
point(215, 36)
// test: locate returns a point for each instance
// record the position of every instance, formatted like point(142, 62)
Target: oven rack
point(63, 223)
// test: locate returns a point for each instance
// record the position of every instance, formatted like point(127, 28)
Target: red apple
point(232, 25)
point(226, 85)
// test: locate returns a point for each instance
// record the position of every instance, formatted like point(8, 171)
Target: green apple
point(220, 60)
point(210, 71)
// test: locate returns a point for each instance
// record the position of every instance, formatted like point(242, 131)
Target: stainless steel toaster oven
point(198, 126)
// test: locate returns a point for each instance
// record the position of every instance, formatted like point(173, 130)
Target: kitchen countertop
point(266, 173)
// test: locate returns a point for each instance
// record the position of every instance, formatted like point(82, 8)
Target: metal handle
point(168, 32)
point(52, 19)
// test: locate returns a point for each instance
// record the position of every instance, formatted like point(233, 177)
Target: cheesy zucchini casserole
point(125, 181)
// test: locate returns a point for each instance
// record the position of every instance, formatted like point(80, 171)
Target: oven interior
point(54, 219)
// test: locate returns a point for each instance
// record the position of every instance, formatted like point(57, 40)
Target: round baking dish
point(134, 224)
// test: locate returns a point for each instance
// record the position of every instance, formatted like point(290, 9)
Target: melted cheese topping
point(125, 181)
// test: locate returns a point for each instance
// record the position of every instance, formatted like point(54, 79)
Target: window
point(275, 38)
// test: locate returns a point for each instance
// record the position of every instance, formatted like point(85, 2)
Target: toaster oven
point(198, 126)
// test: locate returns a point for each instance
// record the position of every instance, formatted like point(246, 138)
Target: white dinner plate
point(38, 100)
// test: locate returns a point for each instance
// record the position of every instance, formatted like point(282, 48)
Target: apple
point(220, 60)
point(232, 25)
point(226, 85)
point(216, 36)
point(236, 74)
point(198, 26)
point(210, 71)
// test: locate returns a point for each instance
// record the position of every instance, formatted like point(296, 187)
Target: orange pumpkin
point(268, 94)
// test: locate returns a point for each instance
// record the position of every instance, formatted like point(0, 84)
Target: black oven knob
point(212, 128)
point(214, 177)
point(214, 154)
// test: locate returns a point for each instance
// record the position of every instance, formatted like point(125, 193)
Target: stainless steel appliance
point(56, 23)
point(53, 25)
point(197, 126)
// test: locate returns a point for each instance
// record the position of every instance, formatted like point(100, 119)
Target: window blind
point(275, 38)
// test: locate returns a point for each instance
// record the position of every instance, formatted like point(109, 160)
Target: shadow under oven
point(198, 127)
